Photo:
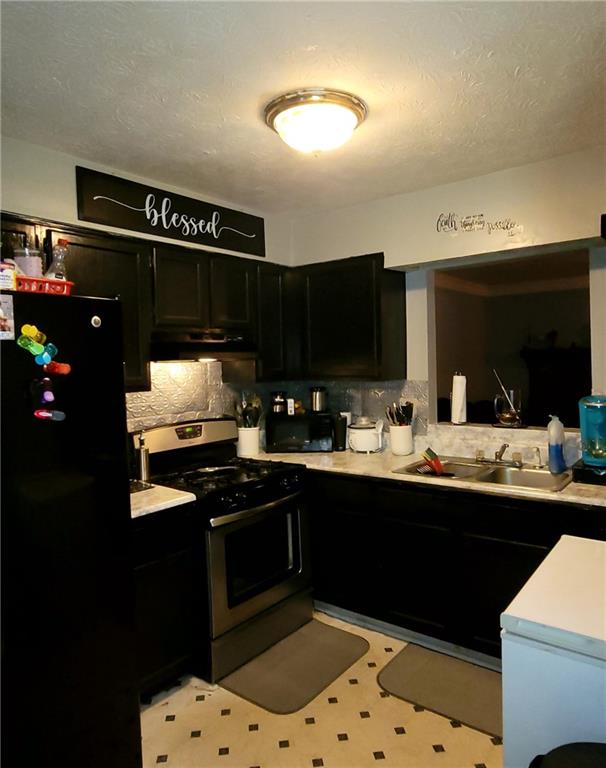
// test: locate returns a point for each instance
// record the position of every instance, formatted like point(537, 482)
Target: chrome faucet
point(516, 459)
point(539, 460)
point(498, 455)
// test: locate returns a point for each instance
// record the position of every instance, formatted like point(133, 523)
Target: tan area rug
point(291, 673)
point(451, 687)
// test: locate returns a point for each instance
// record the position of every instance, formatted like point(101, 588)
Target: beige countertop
point(381, 465)
point(376, 465)
point(156, 498)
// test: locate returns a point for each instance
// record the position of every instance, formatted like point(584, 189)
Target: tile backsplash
point(193, 390)
point(179, 392)
point(465, 439)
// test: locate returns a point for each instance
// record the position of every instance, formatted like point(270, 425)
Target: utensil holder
point(248, 441)
point(400, 436)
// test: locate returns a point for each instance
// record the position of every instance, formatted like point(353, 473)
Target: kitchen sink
point(454, 467)
point(458, 468)
point(538, 479)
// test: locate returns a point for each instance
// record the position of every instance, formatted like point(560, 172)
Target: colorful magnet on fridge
point(33, 333)
point(50, 350)
point(48, 415)
point(42, 391)
point(57, 369)
point(28, 343)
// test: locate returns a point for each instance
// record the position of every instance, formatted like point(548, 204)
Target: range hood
point(237, 354)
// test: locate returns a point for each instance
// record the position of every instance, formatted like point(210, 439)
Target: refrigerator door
point(70, 695)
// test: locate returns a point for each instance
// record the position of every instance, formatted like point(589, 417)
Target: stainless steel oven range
point(251, 539)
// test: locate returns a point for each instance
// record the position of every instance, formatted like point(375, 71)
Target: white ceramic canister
point(248, 441)
point(365, 436)
point(400, 436)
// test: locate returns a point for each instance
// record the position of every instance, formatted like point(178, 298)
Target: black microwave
point(302, 433)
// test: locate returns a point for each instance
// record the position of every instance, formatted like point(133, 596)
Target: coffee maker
point(591, 468)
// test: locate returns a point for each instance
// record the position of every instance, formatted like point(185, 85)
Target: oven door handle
point(218, 522)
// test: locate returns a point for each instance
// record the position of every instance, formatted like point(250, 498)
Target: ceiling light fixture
point(315, 119)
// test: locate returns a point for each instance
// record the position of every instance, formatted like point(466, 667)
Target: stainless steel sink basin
point(454, 467)
point(458, 468)
point(538, 479)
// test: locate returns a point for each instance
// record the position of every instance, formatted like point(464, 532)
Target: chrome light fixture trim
point(315, 119)
point(312, 96)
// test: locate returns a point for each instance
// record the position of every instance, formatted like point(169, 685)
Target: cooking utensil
point(248, 412)
point(400, 415)
point(511, 405)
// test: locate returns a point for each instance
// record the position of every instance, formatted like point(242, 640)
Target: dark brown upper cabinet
point(354, 319)
point(233, 300)
point(197, 290)
point(271, 322)
point(115, 267)
point(18, 234)
point(181, 288)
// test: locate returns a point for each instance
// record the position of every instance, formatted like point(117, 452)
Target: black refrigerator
point(69, 695)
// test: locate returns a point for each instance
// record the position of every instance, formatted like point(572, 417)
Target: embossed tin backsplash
point(193, 390)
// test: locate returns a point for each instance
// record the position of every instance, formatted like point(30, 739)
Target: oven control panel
point(189, 431)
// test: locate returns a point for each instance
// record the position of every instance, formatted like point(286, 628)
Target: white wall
point(597, 309)
point(554, 201)
point(37, 181)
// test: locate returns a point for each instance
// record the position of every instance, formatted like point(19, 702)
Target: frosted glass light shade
point(314, 119)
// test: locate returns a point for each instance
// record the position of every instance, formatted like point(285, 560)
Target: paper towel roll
point(458, 403)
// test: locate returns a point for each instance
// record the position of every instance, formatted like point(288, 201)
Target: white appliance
point(554, 654)
point(365, 436)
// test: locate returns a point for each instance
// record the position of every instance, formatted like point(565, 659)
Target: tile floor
point(352, 724)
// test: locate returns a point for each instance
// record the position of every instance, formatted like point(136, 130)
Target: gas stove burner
point(227, 474)
point(214, 470)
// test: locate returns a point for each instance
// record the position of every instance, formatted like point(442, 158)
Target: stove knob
point(226, 501)
point(287, 483)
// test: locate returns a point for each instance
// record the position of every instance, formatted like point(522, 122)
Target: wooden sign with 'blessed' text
point(116, 202)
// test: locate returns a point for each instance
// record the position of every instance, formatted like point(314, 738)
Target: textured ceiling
point(174, 91)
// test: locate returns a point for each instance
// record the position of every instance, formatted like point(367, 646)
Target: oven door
point(256, 558)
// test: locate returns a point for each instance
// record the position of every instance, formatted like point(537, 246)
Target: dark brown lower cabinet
point(440, 562)
point(164, 613)
point(493, 570)
point(414, 567)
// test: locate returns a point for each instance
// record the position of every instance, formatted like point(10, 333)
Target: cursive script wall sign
point(116, 202)
point(475, 222)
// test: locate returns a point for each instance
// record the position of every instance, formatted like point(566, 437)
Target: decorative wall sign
point(475, 222)
point(116, 202)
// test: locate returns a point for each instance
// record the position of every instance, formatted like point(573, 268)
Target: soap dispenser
point(555, 435)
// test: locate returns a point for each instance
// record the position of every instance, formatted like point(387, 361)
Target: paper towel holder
point(458, 399)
